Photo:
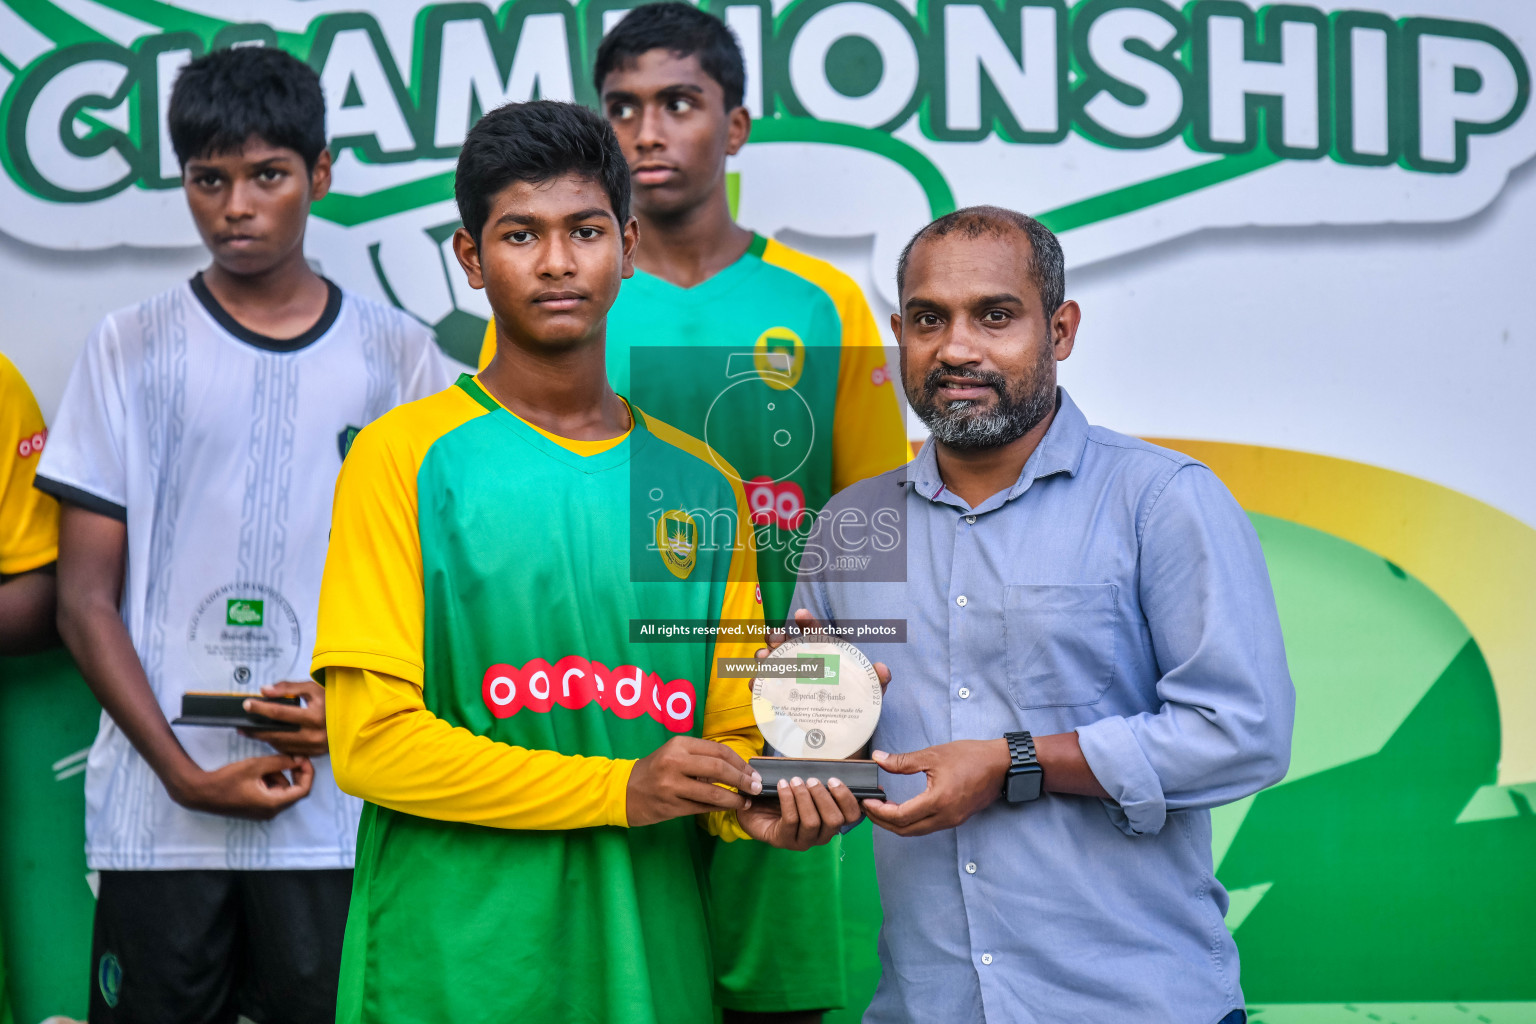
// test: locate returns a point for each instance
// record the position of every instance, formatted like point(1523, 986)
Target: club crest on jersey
point(779, 356)
point(344, 440)
point(574, 682)
point(677, 538)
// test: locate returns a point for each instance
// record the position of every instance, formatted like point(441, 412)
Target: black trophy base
point(227, 710)
point(862, 777)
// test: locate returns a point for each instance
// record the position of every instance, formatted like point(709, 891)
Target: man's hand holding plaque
point(817, 700)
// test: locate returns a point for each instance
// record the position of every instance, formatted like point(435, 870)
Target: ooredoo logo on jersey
point(574, 682)
point(32, 444)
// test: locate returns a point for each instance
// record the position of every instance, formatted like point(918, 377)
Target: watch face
point(1024, 785)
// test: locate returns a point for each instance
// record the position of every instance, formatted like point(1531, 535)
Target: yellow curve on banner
point(1478, 560)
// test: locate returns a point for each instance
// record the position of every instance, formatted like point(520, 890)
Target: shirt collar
point(1059, 451)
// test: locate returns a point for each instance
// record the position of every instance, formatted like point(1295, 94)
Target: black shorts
point(203, 947)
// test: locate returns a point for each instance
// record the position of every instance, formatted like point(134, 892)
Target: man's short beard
point(964, 426)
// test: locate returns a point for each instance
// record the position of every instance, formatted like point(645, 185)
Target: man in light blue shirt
point(1090, 625)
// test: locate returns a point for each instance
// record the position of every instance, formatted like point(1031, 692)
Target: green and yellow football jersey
point(778, 364)
point(510, 578)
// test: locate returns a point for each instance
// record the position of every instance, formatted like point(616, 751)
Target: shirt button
point(970, 519)
point(986, 958)
point(965, 691)
point(970, 868)
point(961, 600)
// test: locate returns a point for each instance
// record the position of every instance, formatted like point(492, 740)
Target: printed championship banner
point(1301, 237)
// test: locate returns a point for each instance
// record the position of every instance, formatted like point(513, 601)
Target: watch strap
point(1021, 748)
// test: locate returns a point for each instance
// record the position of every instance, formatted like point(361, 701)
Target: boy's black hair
point(225, 97)
point(537, 141)
point(685, 31)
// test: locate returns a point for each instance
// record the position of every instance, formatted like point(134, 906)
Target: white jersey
point(219, 448)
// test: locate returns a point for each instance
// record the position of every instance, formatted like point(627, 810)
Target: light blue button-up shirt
point(1118, 590)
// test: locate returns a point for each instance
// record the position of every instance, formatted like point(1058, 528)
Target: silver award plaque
point(816, 702)
point(244, 636)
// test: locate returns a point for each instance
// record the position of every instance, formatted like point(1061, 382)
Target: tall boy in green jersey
point(531, 763)
point(774, 359)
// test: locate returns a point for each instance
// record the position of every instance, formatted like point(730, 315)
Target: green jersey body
point(534, 561)
point(777, 363)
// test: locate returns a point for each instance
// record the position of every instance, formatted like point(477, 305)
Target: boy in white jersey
point(195, 451)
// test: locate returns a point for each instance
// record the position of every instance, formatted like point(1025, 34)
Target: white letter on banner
point(542, 59)
point(1442, 109)
point(1164, 100)
point(46, 126)
point(1234, 78)
point(898, 64)
point(353, 61)
point(1028, 86)
point(1368, 91)
point(467, 69)
point(747, 23)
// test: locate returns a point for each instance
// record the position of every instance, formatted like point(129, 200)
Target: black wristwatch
point(1025, 779)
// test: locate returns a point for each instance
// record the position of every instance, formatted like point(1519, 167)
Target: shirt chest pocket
point(1059, 642)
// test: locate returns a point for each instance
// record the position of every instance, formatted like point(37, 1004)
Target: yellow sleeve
point(29, 519)
point(387, 748)
point(487, 347)
point(728, 715)
point(869, 435)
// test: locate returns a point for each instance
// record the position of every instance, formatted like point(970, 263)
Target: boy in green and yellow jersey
point(530, 759)
point(773, 358)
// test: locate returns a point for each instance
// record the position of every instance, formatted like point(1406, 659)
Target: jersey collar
point(237, 329)
point(724, 279)
point(602, 461)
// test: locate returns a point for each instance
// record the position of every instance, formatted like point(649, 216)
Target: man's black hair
point(537, 141)
point(222, 99)
point(684, 31)
point(1047, 265)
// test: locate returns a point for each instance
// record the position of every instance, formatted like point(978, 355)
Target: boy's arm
point(90, 576)
point(387, 748)
point(27, 612)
